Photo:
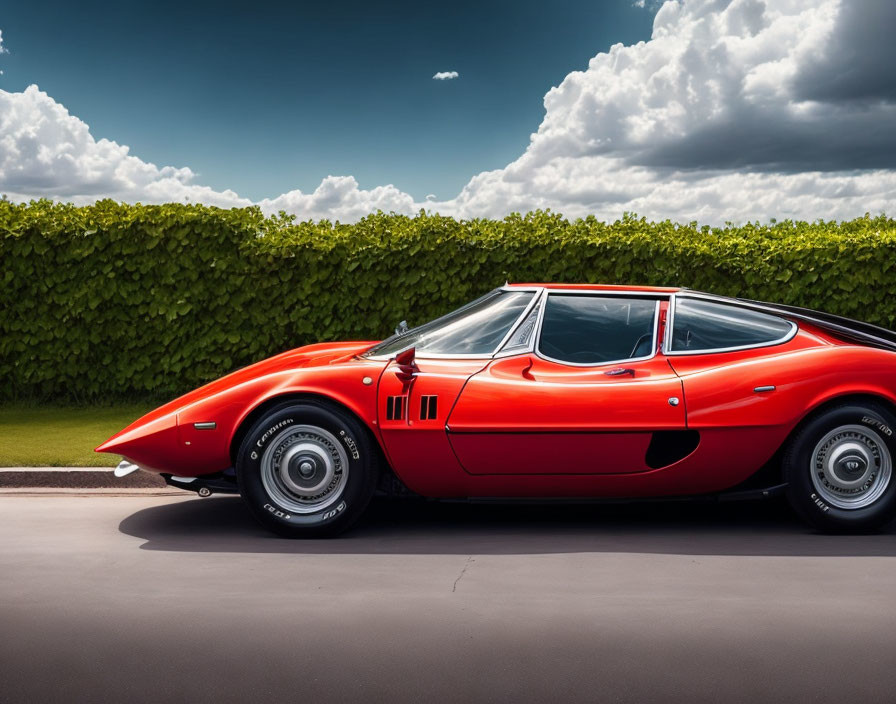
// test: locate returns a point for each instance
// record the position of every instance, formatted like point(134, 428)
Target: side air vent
point(669, 446)
point(428, 407)
point(395, 408)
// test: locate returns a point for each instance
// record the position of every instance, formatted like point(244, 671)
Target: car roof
point(852, 330)
point(600, 287)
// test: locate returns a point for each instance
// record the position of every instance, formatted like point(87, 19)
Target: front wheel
point(307, 470)
point(839, 469)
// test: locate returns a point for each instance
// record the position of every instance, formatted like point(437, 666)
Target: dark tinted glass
point(595, 329)
point(703, 325)
point(477, 328)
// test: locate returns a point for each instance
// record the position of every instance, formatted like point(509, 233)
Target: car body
point(555, 390)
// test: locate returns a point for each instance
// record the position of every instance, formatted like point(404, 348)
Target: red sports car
point(548, 390)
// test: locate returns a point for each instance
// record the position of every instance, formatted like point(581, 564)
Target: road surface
point(161, 598)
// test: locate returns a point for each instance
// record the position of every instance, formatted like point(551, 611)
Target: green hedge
point(114, 300)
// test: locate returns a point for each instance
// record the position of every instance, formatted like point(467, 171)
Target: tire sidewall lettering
point(327, 514)
point(350, 443)
point(819, 503)
point(878, 425)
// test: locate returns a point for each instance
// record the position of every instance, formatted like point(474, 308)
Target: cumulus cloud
point(47, 152)
point(857, 63)
point(730, 85)
point(732, 110)
point(340, 198)
point(445, 75)
point(724, 114)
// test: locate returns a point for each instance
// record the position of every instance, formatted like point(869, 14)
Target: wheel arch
point(857, 397)
point(285, 399)
point(822, 407)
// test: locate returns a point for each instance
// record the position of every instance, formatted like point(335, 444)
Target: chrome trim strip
point(601, 294)
point(670, 327)
point(648, 295)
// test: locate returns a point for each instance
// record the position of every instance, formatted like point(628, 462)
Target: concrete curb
point(76, 478)
point(57, 491)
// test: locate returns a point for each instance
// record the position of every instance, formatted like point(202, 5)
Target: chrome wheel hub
point(851, 467)
point(304, 469)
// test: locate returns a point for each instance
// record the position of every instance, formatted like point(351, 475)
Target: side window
point(521, 337)
point(583, 329)
point(475, 329)
point(700, 326)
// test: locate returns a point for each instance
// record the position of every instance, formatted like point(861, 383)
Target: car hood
point(317, 355)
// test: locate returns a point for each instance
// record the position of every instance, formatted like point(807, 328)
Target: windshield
point(475, 329)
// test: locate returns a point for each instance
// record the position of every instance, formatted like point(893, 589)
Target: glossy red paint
point(526, 415)
point(417, 448)
point(166, 440)
point(526, 426)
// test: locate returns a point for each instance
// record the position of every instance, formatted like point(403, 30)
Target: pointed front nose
point(108, 446)
point(150, 441)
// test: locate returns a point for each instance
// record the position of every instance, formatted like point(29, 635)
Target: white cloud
point(445, 75)
point(46, 152)
point(720, 85)
point(340, 198)
point(708, 120)
point(733, 110)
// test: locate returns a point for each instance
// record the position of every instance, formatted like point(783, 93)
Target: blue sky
point(706, 110)
point(264, 97)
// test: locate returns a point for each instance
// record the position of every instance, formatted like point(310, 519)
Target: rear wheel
point(839, 468)
point(307, 470)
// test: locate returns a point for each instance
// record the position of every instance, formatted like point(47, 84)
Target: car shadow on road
point(223, 524)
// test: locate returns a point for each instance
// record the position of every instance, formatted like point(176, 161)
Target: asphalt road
point(148, 599)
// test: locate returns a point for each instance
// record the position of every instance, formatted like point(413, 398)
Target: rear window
point(702, 326)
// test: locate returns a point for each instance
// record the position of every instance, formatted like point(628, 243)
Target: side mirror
point(407, 367)
point(401, 328)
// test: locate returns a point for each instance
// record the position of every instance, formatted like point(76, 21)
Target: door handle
point(620, 371)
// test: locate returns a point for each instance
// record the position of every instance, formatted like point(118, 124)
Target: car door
point(740, 368)
point(427, 369)
point(589, 397)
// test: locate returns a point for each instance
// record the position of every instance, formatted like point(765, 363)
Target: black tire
point(274, 459)
point(821, 489)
